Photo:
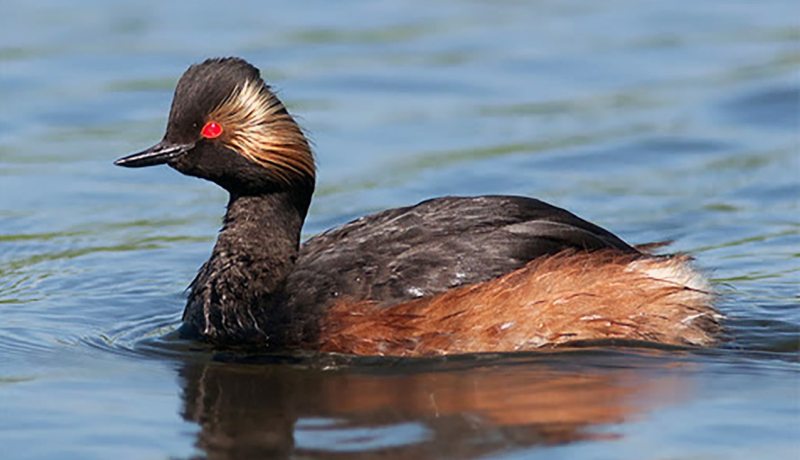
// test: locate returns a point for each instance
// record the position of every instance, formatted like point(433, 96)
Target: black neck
point(237, 296)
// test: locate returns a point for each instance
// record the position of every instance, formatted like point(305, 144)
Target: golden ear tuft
point(257, 125)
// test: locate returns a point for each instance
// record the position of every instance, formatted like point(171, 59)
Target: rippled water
point(668, 120)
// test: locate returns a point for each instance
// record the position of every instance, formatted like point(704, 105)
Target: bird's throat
point(238, 295)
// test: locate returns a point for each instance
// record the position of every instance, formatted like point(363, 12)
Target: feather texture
point(559, 300)
point(256, 124)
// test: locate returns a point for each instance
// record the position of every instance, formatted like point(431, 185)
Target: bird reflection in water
point(452, 409)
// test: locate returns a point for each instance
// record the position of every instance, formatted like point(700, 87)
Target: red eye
point(211, 130)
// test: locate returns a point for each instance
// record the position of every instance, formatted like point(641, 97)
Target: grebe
point(448, 275)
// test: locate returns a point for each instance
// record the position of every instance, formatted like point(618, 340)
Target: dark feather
point(405, 253)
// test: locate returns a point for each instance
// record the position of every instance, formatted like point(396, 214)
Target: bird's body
point(417, 251)
point(448, 275)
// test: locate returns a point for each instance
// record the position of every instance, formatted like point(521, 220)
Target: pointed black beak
point(155, 155)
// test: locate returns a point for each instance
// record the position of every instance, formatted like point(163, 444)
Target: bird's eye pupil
point(211, 130)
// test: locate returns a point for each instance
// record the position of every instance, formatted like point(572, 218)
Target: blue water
point(658, 120)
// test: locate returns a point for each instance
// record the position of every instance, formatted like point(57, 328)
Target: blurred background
point(657, 120)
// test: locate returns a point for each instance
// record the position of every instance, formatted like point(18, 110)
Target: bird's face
point(225, 125)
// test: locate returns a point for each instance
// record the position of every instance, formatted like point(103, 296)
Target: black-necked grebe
point(448, 275)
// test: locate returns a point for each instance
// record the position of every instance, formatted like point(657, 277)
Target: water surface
point(659, 121)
